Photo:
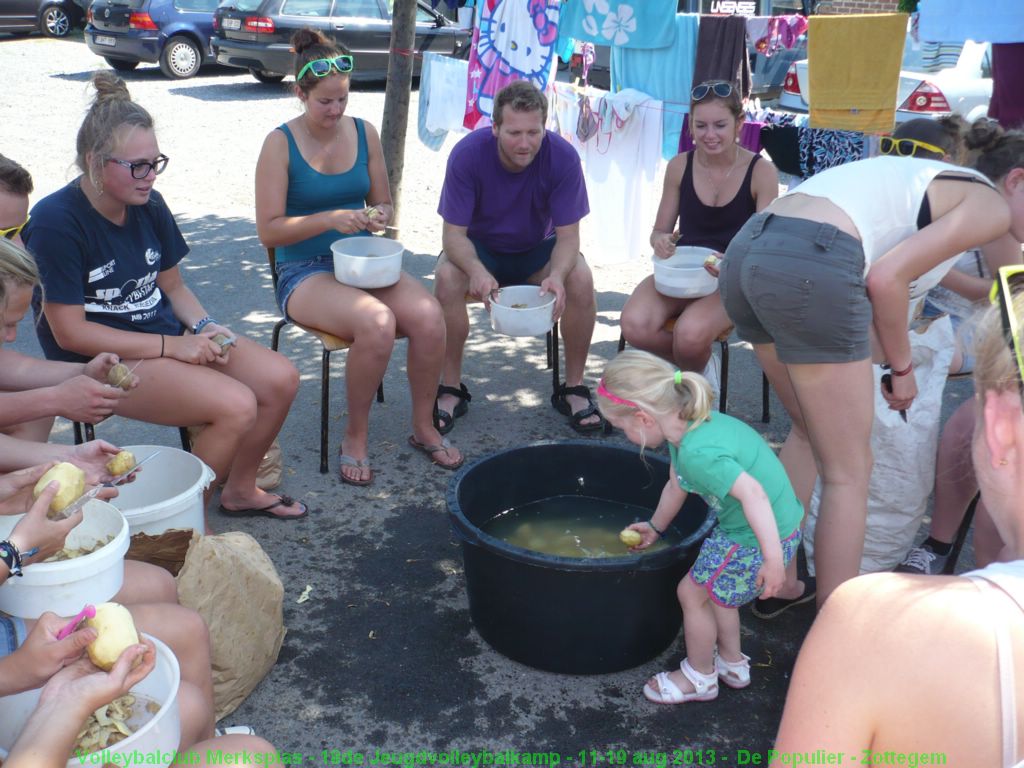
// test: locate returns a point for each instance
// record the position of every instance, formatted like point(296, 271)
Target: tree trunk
point(396, 100)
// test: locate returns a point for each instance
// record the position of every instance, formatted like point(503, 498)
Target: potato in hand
point(120, 376)
point(121, 463)
point(72, 485)
point(115, 631)
point(631, 538)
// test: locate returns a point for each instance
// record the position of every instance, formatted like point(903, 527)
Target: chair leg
point(325, 404)
point(380, 391)
point(554, 358)
point(186, 441)
point(77, 426)
point(277, 333)
point(622, 342)
point(723, 384)
point(765, 397)
point(90, 433)
point(961, 536)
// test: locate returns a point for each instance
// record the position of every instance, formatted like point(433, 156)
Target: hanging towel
point(936, 56)
point(993, 21)
point(1007, 104)
point(626, 23)
point(433, 139)
point(515, 40)
point(854, 70)
point(664, 74)
point(722, 52)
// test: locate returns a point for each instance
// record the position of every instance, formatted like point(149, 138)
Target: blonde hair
point(98, 135)
point(995, 366)
point(17, 269)
point(654, 385)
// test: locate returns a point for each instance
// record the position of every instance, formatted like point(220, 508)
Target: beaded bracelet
point(11, 557)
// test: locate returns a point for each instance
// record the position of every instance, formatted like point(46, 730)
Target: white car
point(965, 88)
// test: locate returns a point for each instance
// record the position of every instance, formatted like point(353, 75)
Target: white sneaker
point(713, 373)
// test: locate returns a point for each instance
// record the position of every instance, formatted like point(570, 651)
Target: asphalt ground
point(384, 656)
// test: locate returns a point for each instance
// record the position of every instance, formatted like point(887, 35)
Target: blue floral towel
point(626, 23)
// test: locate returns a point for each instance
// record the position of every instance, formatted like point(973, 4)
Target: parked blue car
point(175, 33)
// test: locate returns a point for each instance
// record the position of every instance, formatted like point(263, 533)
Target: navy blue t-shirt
point(109, 269)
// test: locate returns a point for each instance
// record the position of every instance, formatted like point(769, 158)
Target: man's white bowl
point(156, 739)
point(520, 310)
point(367, 262)
point(64, 587)
point(682, 275)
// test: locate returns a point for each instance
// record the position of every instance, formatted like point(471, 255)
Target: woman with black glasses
point(826, 270)
point(109, 250)
point(321, 177)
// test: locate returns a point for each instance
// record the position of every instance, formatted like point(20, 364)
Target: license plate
point(104, 40)
point(232, 24)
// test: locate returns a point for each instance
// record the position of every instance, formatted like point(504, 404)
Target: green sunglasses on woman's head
point(1010, 280)
point(322, 67)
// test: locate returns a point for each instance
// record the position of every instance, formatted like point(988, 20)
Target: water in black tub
point(572, 526)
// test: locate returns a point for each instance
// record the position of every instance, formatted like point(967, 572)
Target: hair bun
point(306, 38)
point(110, 87)
point(983, 134)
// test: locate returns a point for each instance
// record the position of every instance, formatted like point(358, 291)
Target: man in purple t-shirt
point(512, 201)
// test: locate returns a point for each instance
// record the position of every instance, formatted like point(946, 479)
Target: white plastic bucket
point(156, 739)
point(520, 310)
point(167, 492)
point(682, 275)
point(64, 587)
point(367, 262)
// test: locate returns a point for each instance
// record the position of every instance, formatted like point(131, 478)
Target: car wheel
point(54, 21)
point(121, 65)
point(270, 78)
point(180, 58)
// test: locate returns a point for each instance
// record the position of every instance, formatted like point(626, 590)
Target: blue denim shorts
point(515, 268)
point(291, 273)
point(728, 571)
point(12, 634)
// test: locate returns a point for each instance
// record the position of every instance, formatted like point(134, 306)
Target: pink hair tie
point(602, 390)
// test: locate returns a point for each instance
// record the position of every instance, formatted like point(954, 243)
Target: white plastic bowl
point(158, 737)
point(167, 492)
point(64, 587)
point(367, 262)
point(682, 275)
point(533, 319)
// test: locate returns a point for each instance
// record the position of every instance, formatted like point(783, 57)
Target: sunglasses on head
point(1009, 281)
point(906, 147)
point(721, 89)
point(12, 232)
point(322, 67)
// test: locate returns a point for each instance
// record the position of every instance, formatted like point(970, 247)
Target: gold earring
point(1003, 462)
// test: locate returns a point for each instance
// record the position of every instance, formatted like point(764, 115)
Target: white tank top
point(882, 196)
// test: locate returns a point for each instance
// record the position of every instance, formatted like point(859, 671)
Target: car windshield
point(246, 6)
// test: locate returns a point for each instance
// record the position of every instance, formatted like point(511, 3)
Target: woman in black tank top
point(708, 195)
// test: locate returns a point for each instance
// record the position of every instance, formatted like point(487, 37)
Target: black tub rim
point(469, 533)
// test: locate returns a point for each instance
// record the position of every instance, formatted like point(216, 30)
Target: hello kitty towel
point(626, 23)
point(515, 40)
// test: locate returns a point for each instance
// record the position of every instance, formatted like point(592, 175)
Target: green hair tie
point(678, 377)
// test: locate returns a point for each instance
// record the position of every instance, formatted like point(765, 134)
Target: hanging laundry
point(515, 40)
point(664, 74)
point(992, 21)
point(936, 56)
point(442, 91)
point(626, 23)
point(1007, 104)
point(722, 52)
point(821, 149)
point(433, 139)
point(854, 70)
point(767, 34)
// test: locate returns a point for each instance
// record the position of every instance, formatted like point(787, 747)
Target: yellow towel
point(854, 70)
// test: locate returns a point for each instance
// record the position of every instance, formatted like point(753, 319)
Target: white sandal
point(735, 674)
point(705, 687)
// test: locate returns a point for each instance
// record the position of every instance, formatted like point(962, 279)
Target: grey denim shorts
point(799, 285)
point(12, 634)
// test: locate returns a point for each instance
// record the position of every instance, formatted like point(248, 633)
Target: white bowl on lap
point(367, 262)
point(682, 275)
point(521, 310)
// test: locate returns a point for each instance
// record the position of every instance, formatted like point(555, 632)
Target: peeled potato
point(120, 376)
point(631, 538)
point(72, 485)
point(373, 212)
point(121, 463)
point(115, 631)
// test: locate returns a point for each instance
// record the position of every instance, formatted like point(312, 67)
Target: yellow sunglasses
point(12, 232)
point(906, 147)
point(1010, 278)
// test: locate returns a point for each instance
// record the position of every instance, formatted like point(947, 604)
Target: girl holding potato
point(735, 471)
point(108, 250)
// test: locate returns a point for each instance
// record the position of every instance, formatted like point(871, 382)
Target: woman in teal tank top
point(315, 178)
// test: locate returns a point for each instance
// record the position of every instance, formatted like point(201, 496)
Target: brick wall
point(858, 6)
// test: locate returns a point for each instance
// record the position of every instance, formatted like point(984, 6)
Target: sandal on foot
point(444, 422)
point(705, 687)
point(735, 674)
point(282, 501)
point(348, 461)
point(235, 730)
point(433, 450)
point(560, 403)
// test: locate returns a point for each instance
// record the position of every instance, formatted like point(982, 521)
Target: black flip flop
point(561, 404)
point(444, 422)
point(282, 501)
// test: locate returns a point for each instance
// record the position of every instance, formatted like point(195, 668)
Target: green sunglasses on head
point(322, 67)
point(1009, 278)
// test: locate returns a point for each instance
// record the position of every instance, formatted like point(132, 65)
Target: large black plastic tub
point(571, 615)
